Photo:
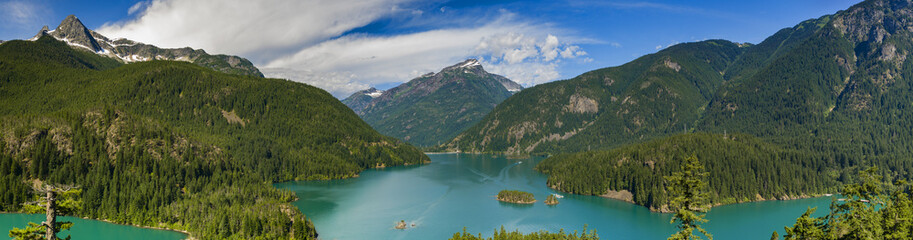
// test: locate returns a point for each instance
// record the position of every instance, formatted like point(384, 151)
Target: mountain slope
point(359, 101)
point(854, 68)
point(175, 145)
point(834, 101)
point(655, 95)
point(742, 168)
point(433, 108)
point(74, 33)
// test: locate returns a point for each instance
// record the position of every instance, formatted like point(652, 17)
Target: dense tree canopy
point(173, 144)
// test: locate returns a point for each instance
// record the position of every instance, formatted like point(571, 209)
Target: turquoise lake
point(458, 190)
point(88, 229)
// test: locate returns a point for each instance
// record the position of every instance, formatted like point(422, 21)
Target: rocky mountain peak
point(72, 31)
point(71, 22)
point(371, 92)
point(433, 107)
point(470, 65)
point(75, 34)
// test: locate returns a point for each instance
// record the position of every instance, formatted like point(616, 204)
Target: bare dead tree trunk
point(50, 224)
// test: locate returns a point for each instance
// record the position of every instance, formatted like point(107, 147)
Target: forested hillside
point(173, 144)
point(655, 95)
point(816, 102)
point(433, 108)
point(742, 168)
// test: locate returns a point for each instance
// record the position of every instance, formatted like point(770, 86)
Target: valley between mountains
point(184, 140)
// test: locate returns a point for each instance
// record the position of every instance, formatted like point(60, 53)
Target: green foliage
point(226, 64)
point(655, 95)
point(175, 145)
point(741, 168)
point(806, 227)
point(821, 100)
point(424, 117)
point(67, 202)
point(32, 232)
point(688, 199)
point(515, 196)
point(517, 235)
point(551, 199)
point(864, 212)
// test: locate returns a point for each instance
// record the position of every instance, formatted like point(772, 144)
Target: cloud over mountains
point(326, 43)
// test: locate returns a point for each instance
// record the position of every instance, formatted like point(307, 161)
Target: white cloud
point(673, 43)
point(373, 59)
point(308, 41)
point(527, 73)
point(572, 52)
point(22, 19)
point(550, 48)
point(337, 83)
point(385, 59)
point(137, 7)
point(257, 29)
point(19, 12)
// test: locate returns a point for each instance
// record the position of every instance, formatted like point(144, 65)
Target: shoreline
point(187, 234)
point(438, 153)
point(516, 202)
point(663, 209)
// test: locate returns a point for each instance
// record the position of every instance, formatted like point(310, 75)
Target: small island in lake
point(551, 200)
point(514, 196)
point(401, 225)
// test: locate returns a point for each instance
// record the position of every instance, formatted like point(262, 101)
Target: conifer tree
point(688, 192)
point(56, 200)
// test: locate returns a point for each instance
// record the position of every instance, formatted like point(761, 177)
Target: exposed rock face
point(623, 195)
point(360, 100)
point(654, 95)
point(74, 33)
point(672, 65)
point(434, 107)
point(580, 104)
point(880, 30)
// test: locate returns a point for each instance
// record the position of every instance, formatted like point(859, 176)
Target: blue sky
point(343, 46)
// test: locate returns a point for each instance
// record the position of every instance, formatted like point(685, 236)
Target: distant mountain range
point(818, 101)
point(434, 107)
point(75, 34)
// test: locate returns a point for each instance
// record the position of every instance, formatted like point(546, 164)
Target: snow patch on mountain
point(470, 63)
point(375, 93)
point(72, 32)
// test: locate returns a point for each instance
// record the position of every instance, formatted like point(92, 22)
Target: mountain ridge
point(657, 94)
point(432, 108)
point(793, 116)
point(155, 143)
point(74, 33)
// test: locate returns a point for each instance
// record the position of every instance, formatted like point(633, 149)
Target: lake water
point(87, 229)
point(458, 190)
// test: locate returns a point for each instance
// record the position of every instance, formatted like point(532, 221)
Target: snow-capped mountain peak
point(470, 63)
point(75, 34)
point(374, 94)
